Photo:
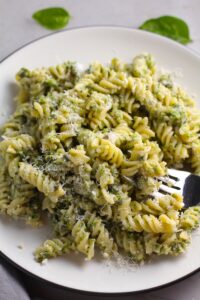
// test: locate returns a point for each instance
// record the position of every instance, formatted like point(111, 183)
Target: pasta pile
point(89, 149)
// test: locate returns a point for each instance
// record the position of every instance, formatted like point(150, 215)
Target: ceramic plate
point(85, 45)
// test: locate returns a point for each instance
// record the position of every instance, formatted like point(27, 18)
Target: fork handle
point(191, 191)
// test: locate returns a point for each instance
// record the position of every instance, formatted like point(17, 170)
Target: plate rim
point(110, 26)
point(91, 293)
point(75, 290)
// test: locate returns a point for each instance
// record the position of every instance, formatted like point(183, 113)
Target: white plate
point(85, 45)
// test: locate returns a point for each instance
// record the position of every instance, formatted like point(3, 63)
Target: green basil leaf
point(53, 18)
point(169, 26)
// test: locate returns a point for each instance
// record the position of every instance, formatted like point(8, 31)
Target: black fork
point(183, 182)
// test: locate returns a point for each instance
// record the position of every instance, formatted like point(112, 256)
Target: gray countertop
point(17, 28)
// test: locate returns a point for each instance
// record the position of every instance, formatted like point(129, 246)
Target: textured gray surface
point(11, 287)
point(17, 28)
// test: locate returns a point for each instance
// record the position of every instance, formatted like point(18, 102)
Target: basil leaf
point(52, 18)
point(169, 26)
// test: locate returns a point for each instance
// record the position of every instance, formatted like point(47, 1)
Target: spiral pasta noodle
point(5, 196)
point(17, 144)
point(43, 182)
point(53, 248)
point(190, 218)
point(159, 205)
point(143, 246)
point(150, 223)
point(175, 149)
point(101, 234)
point(82, 239)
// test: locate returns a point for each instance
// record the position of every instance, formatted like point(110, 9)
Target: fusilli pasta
point(88, 149)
